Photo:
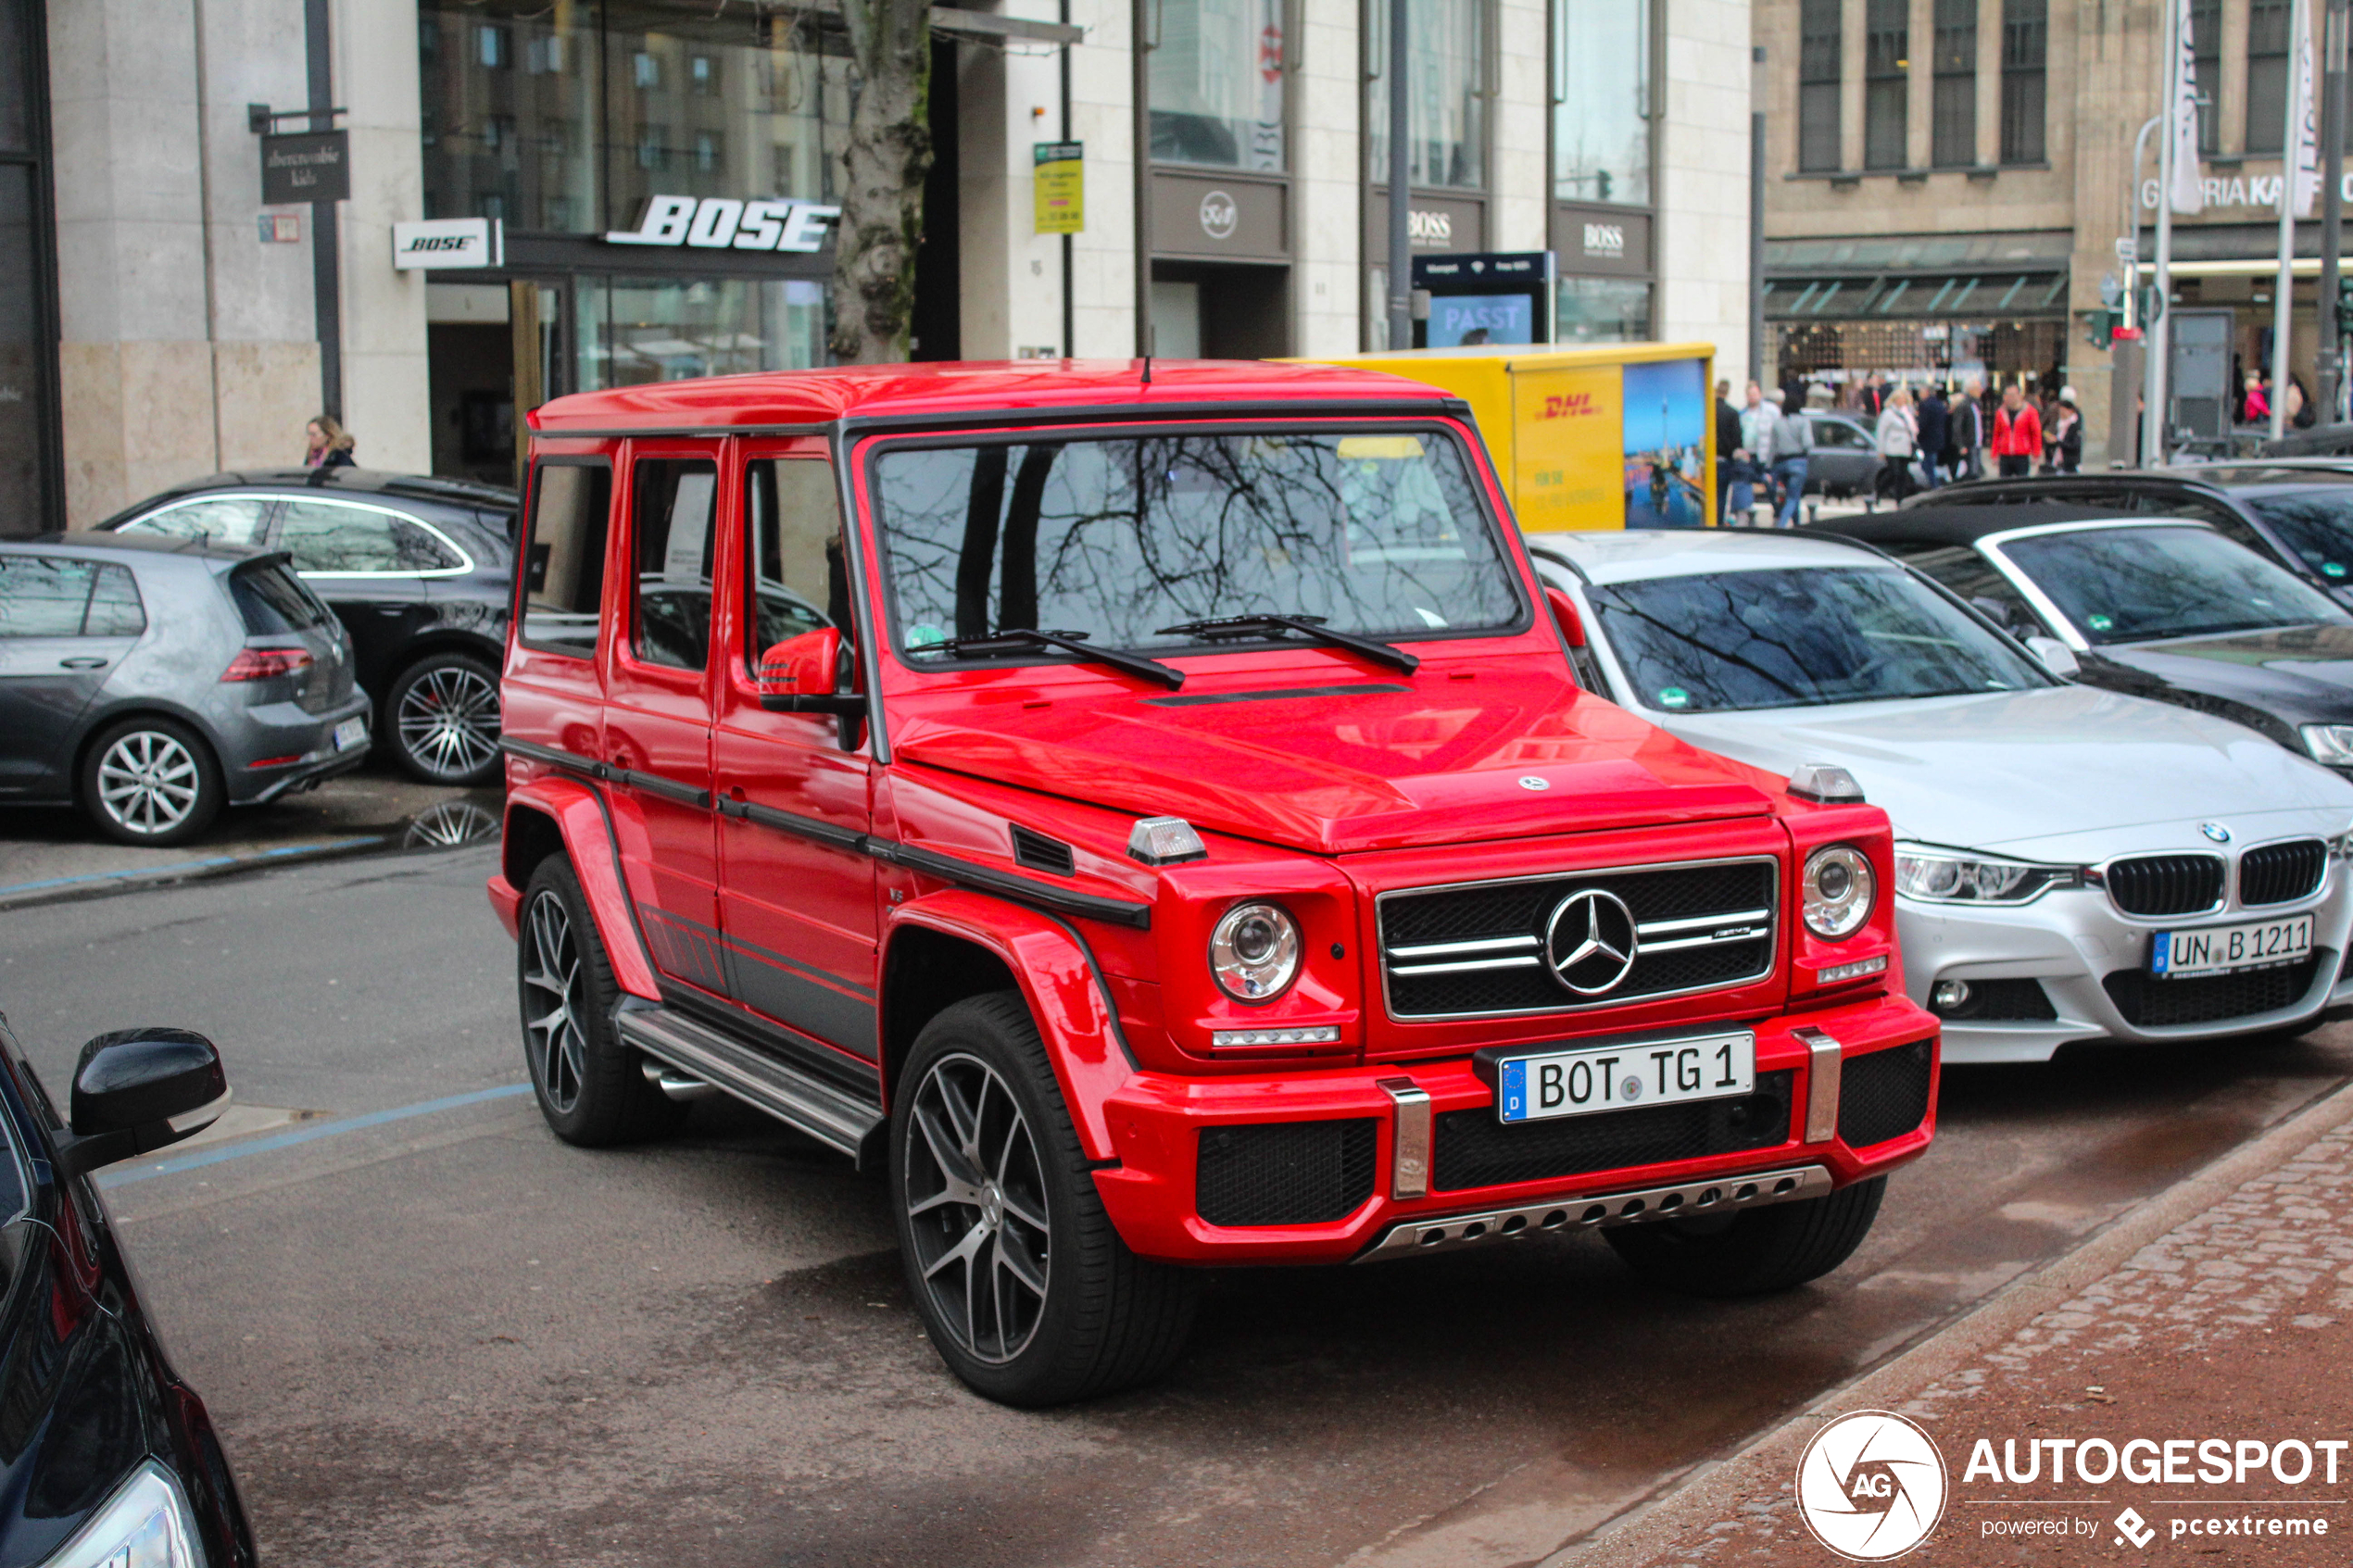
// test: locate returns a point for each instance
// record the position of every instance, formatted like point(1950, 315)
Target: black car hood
point(2299, 674)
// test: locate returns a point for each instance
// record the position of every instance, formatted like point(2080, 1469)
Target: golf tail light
point(263, 664)
point(1253, 952)
point(1838, 890)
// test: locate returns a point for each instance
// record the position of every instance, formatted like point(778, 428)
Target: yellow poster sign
point(1566, 461)
point(1059, 186)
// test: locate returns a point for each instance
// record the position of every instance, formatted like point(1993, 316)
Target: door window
point(337, 539)
point(792, 558)
point(674, 501)
point(564, 558)
point(1838, 433)
point(55, 596)
point(1977, 580)
point(234, 520)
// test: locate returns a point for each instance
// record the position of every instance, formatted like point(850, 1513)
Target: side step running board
point(833, 1117)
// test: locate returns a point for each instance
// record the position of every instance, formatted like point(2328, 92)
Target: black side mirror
point(136, 1090)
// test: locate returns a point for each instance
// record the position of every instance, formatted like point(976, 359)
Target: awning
point(1918, 276)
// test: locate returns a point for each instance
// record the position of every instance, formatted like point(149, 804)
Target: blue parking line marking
point(110, 1179)
point(179, 867)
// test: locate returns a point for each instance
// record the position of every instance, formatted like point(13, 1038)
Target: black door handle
point(82, 663)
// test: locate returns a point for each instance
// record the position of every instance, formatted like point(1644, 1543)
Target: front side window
point(2317, 526)
point(794, 574)
point(1446, 105)
point(563, 576)
point(1601, 101)
point(1217, 83)
point(673, 502)
point(2136, 584)
point(1126, 542)
point(1736, 640)
point(334, 539)
point(234, 520)
point(43, 595)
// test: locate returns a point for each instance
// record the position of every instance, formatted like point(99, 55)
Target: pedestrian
point(2067, 435)
point(1968, 431)
point(1898, 436)
point(1872, 399)
point(2301, 411)
point(2258, 402)
point(2017, 439)
point(1793, 441)
point(1727, 445)
point(330, 444)
point(1756, 441)
point(1934, 416)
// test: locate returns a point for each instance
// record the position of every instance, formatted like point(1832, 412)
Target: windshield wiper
point(1307, 626)
point(1015, 639)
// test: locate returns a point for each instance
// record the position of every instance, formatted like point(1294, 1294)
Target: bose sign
point(725, 223)
point(449, 242)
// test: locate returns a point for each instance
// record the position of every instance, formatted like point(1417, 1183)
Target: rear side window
point(57, 597)
point(674, 501)
point(115, 610)
point(564, 559)
point(333, 538)
point(273, 601)
point(236, 519)
point(1971, 577)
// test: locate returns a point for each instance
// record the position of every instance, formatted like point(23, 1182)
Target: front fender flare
point(1059, 981)
point(579, 814)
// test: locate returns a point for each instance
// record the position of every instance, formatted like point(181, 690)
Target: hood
point(1332, 768)
point(2055, 762)
point(2302, 673)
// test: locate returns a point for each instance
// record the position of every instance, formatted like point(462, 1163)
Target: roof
point(953, 388)
point(1637, 554)
point(97, 546)
point(2312, 473)
point(376, 481)
point(1964, 526)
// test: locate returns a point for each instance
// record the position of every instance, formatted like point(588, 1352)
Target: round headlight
point(1838, 889)
point(1255, 952)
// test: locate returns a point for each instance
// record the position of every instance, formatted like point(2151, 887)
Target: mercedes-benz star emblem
point(2216, 832)
point(1590, 943)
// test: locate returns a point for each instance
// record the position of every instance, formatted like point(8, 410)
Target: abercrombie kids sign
point(725, 223)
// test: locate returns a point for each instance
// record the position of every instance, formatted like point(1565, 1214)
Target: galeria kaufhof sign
point(725, 224)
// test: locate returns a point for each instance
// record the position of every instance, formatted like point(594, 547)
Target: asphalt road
point(445, 1338)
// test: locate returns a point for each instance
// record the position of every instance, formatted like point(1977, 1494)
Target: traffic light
point(2344, 300)
point(2099, 326)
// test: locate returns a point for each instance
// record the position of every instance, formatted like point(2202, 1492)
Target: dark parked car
point(152, 680)
point(2300, 515)
point(2159, 606)
point(110, 1459)
point(418, 570)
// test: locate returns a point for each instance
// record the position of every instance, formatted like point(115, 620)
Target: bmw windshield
point(2138, 584)
point(1136, 543)
point(2316, 524)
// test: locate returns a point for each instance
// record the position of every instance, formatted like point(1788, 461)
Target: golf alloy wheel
point(148, 783)
point(445, 721)
point(976, 1205)
point(552, 1039)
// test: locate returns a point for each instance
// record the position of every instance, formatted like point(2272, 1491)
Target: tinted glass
point(331, 537)
point(236, 518)
point(2317, 525)
point(564, 558)
point(1974, 578)
point(2131, 584)
point(115, 610)
point(273, 600)
point(1792, 639)
point(43, 595)
point(673, 502)
point(1119, 539)
point(792, 530)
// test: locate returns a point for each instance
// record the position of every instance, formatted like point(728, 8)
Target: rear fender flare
point(579, 815)
point(1064, 991)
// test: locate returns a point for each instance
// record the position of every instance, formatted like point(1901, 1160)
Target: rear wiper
point(1015, 639)
point(1307, 626)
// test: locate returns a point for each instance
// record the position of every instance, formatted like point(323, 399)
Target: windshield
point(2135, 585)
point(2317, 525)
point(1799, 638)
point(1118, 539)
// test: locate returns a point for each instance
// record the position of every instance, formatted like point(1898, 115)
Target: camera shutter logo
point(1220, 215)
point(1872, 1486)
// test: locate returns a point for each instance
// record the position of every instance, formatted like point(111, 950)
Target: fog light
point(1838, 973)
point(1950, 996)
point(1324, 1035)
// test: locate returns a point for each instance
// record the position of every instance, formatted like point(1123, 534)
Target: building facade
point(1949, 182)
point(638, 161)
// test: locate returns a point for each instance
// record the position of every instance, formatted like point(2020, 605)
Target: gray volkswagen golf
point(153, 681)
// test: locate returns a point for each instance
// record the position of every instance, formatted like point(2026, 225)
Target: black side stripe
point(929, 862)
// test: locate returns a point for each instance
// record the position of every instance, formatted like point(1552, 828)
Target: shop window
point(1953, 139)
point(1446, 99)
point(1819, 49)
point(1217, 83)
point(2267, 68)
point(1887, 46)
point(1601, 95)
point(1603, 309)
point(2025, 50)
point(2205, 54)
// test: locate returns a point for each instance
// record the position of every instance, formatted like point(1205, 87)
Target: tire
point(151, 782)
point(441, 720)
point(591, 1088)
point(988, 1180)
point(1755, 1252)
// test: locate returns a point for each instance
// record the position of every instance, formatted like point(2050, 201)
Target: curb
point(97, 884)
point(1708, 1492)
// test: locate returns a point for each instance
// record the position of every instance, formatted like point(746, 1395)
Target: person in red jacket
point(2017, 433)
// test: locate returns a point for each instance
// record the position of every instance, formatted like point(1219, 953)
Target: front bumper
point(2071, 943)
point(1158, 1123)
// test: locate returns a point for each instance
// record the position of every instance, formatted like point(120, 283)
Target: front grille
point(2147, 1002)
point(2281, 874)
point(1284, 1172)
point(2000, 1000)
point(1884, 1094)
point(1473, 1149)
point(2166, 884)
point(1480, 948)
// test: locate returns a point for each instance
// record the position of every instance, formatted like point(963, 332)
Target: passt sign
point(725, 223)
point(312, 167)
point(447, 242)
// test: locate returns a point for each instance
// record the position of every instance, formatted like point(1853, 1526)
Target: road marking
point(182, 868)
point(111, 1179)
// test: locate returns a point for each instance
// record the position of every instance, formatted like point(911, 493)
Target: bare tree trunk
point(887, 157)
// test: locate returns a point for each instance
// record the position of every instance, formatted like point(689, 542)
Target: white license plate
point(351, 732)
point(2218, 950)
point(1578, 1083)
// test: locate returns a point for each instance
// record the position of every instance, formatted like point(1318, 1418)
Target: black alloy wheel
point(442, 717)
point(591, 1088)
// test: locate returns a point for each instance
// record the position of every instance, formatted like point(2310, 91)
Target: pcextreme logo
point(1872, 1486)
point(1573, 406)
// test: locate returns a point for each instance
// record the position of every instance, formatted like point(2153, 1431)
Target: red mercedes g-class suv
point(1153, 810)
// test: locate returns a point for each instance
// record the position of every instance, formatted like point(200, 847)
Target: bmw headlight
point(2332, 744)
point(1255, 952)
point(1838, 889)
point(1954, 876)
point(147, 1524)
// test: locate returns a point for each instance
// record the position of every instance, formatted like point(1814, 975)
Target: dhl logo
point(1574, 406)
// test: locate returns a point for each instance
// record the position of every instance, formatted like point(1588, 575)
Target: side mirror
point(803, 675)
point(136, 1090)
point(2056, 657)
point(1564, 615)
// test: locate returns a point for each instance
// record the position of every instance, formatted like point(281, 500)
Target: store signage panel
point(1206, 215)
point(2259, 192)
point(441, 243)
point(725, 224)
point(1432, 223)
point(312, 167)
point(1606, 242)
point(1058, 184)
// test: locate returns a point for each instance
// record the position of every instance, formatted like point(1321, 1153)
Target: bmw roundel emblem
point(2216, 832)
